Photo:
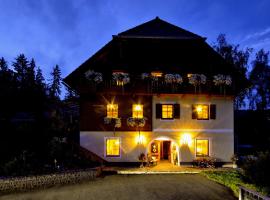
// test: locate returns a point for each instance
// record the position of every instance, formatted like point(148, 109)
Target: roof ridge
point(159, 28)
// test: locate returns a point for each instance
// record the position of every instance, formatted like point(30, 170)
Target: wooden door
point(166, 147)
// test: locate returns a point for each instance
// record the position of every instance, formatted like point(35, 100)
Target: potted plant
point(142, 158)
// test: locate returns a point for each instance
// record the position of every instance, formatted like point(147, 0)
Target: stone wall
point(33, 182)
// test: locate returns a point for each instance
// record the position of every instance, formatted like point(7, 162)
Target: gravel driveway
point(139, 187)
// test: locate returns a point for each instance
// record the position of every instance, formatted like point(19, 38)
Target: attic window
point(156, 74)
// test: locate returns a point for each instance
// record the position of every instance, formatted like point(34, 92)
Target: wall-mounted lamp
point(186, 139)
point(140, 139)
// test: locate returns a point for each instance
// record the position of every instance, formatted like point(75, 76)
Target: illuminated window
point(137, 111)
point(202, 111)
point(112, 110)
point(167, 111)
point(202, 147)
point(156, 74)
point(113, 147)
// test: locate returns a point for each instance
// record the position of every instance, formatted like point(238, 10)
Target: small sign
point(154, 147)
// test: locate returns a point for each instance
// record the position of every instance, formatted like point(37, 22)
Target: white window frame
point(105, 147)
point(209, 146)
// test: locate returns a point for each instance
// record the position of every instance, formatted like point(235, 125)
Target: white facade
point(219, 132)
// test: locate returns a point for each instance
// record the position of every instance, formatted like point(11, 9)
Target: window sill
point(113, 156)
point(167, 120)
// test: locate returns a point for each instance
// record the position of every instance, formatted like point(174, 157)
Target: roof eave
point(158, 37)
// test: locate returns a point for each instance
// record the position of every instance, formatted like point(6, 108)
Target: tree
point(70, 93)
point(55, 87)
point(239, 60)
point(30, 72)
point(7, 87)
point(39, 77)
point(260, 78)
point(21, 68)
point(3, 65)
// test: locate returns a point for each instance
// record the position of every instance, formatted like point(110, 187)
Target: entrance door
point(166, 150)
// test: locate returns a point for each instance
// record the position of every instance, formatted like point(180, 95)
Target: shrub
point(205, 162)
point(257, 169)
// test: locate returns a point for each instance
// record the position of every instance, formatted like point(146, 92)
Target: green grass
point(230, 178)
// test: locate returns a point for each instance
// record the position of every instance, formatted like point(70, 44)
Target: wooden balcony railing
point(157, 87)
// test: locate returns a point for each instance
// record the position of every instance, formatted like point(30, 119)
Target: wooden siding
point(93, 111)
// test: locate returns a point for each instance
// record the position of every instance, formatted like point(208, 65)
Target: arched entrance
point(164, 148)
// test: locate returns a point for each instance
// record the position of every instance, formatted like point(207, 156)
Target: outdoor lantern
point(186, 139)
point(140, 139)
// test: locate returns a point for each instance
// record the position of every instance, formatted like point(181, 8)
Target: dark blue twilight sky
point(67, 32)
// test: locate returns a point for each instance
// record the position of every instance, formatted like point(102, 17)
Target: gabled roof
point(158, 28)
point(154, 45)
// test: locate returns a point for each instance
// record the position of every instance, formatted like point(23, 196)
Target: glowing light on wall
point(186, 139)
point(140, 139)
point(199, 108)
point(119, 83)
point(137, 107)
point(156, 74)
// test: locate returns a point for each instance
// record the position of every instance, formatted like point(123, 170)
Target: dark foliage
point(256, 169)
point(252, 128)
point(233, 55)
point(260, 78)
point(35, 124)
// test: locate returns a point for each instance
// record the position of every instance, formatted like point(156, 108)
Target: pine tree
point(70, 93)
point(21, 67)
point(30, 72)
point(40, 81)
point(3, 65)
point(55, 87)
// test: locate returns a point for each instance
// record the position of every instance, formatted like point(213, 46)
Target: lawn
point(232, 179)
point(142, 187)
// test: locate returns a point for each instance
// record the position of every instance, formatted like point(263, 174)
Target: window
point(112, 111)
point(137, 111)
point(156, 74)
point(202, 147)
point(167, 111)
point(200, 112)
point(112, 147)
point(204, 111)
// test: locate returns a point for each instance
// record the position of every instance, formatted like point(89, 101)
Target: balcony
point(149, 87)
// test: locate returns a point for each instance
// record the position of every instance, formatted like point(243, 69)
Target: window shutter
point(176, 111)
point(194, 112)
point(213, 111)
point(158, 111)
